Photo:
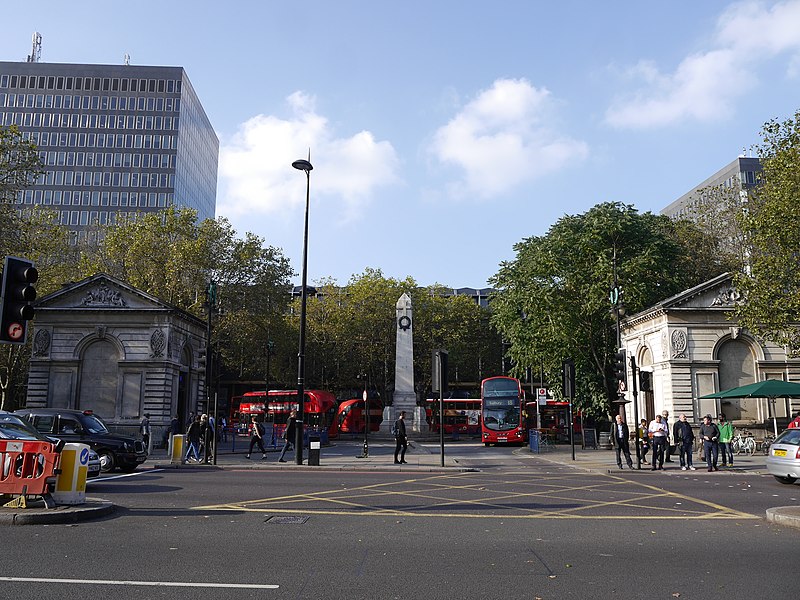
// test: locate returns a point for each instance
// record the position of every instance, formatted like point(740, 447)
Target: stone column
point(404, 397)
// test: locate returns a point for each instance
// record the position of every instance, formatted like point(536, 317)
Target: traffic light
point(619, 365)
point(646, 381)
point(18, 292)
point(439, 372)
point(568, 367)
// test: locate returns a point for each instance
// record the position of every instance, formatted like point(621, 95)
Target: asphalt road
point(522, 527)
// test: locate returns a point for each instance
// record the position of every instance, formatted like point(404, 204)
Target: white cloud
point(503, 138)
point(256, 173)
point(706, 85)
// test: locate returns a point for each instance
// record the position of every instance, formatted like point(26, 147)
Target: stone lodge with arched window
point(103, 345)
point(692, 349)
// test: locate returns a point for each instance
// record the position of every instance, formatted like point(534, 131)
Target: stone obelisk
point(404, 397)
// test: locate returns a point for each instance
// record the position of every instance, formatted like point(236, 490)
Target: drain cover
point(286, 520)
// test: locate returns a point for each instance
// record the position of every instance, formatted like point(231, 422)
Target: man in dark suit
point(401, 441)
point(619, 439)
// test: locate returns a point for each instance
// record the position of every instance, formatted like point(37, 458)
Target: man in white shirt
point(659, 432)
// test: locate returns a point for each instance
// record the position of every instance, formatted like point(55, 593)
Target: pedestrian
point(193, 435)
point(619, 440)
point(668, 446)
point(401, 441)
point(644, 442)
point(256, 437)
point(795, 423)
point(725, 441)
point(224, 424)
point(288, 434)
point(709, 433)
point(144, 429)
point(657, 431)
point(175, 426)
point(207, 436)
point(684, 438)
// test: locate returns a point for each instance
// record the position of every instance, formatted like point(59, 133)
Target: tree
point(552, 301)
point(771, 284)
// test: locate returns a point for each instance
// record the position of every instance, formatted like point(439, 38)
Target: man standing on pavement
point(619, 439)
point(144, 429)
point(658, 430)
point(668, 447)
point(684, 437)
point(256, 438)
point(709, 433)
point(725, 441)
point(401, 441)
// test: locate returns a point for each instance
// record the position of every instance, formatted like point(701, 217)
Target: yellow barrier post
point(71, 482)
point(176, 449)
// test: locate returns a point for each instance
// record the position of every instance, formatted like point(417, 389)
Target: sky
point(444, 132)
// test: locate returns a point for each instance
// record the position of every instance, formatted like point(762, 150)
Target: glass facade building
point(114, 140)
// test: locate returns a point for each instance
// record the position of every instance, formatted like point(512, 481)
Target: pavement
point(423, 455)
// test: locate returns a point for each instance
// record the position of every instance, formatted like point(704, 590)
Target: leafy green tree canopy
point(552, 301)
point(771, 284)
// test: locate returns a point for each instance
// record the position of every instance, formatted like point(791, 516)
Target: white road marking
point(112, 477)
point(189, 584)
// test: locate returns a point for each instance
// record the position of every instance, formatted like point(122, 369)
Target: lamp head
point(302, 165)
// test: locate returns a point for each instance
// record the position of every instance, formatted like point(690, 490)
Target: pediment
point(102, 292)
point(717, 293)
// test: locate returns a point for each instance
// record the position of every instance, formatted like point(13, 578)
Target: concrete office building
point(114, 140)
point(742, 172)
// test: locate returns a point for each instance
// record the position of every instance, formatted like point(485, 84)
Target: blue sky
point(443, 132)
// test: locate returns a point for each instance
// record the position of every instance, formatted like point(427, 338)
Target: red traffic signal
point(18, 292)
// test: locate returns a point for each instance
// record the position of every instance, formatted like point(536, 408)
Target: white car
point(783, 461)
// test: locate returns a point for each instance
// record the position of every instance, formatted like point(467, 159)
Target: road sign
point(541, 395)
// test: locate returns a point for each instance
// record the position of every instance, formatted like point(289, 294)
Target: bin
point(605, 440)
point(71, 481)
point(533, 440)
point(313, 449)
point(176, 448)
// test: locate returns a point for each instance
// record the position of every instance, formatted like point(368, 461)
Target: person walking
point(644, 442)
point(658, 431)
point(207, 436)
point(256, 438)
point(193, 435)
point(668, 446)
point(144, 429)
point(725, 440)
point(401, 441)
point(288, 435)
point(619, 440)
point(684, 438)
point(709, 433)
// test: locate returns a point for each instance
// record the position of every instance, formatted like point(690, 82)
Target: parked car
point(14, 422)
point(114, 451)
point(783, 461)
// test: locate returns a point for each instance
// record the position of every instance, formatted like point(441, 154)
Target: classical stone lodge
point(104, 345)
point(692, 349)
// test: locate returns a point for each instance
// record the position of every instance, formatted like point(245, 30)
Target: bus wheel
point(487, 444)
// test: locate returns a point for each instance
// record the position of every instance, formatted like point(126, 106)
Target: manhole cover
point(286, 520)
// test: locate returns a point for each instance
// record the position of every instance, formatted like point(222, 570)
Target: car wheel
point(786, 480)
point(107, 461)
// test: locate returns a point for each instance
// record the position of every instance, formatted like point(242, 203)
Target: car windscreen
point(10, 430)
point(790, 436)
point(94, 424)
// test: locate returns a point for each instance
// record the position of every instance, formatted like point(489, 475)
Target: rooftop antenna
point(36, 48)
point(127, 59)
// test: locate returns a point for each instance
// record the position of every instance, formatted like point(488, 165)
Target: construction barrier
point(71, 482)
point(176, 449)
point(27, 468)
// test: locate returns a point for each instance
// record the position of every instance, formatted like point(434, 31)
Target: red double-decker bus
point(319, 409)
point(350, 415)
point(502, 411)
point(461, 415)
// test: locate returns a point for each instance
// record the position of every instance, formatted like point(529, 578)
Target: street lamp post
point(302, 165)
point(619, 311)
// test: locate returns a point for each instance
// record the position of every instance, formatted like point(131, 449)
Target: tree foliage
point(771, 284)
point(552, 301)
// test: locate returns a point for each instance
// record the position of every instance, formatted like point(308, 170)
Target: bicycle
point(766, 443)
point(743, 442)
